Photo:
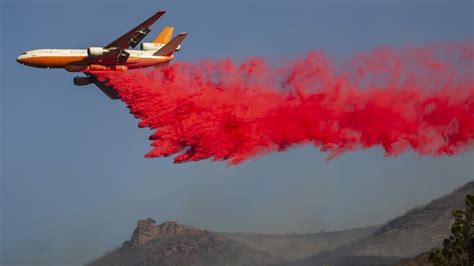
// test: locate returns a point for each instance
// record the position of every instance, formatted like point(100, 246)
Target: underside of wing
point(136, 35)
point(102, 85)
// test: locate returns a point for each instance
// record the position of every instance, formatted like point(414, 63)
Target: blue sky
point(73, 177)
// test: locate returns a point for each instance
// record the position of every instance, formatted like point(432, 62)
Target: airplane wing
point(136, 35)
point(108, 90)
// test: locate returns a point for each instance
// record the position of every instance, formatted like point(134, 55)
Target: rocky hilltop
point(171, 243)
point(147, 230)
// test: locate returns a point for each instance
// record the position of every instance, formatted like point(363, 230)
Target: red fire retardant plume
point(419, 99)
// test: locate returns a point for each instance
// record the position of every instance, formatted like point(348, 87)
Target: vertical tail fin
point(171, 46)
point(165, 35)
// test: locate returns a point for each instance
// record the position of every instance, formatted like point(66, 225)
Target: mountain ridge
point(419, 230)
point(170, 243)
point(415, 232)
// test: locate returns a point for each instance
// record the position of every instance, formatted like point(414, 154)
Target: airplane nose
point(20, 58)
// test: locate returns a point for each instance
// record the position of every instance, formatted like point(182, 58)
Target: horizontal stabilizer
point(170, 47)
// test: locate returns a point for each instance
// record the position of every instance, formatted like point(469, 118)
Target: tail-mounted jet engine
point(148, 46)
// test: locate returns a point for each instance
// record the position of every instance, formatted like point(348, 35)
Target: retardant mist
point(397, 99)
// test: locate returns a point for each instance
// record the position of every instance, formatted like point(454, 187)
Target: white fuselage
point(64, 58)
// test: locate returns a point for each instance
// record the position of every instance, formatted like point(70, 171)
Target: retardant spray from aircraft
point(419, 99)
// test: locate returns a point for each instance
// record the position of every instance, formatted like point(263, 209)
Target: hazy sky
point(74, 180)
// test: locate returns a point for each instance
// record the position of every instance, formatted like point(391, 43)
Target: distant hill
point(297, 246)
point(398, 242)
point(418, 230)
point(173, 244)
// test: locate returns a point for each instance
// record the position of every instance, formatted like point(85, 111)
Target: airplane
point(115, 56)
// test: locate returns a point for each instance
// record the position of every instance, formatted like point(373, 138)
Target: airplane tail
point(171, 46)
point(165, 36)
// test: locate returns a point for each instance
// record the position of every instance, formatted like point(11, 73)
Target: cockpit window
point(23, 53)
